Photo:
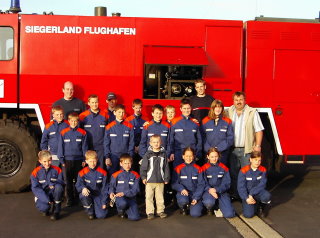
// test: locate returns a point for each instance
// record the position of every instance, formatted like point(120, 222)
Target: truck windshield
point(6, 43)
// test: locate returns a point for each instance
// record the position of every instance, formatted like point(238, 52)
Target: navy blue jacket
point(95, 180)
point(189, 177)
point(73, 144)
point(220, 136)
point(51, 135)
point(42, 179)
point(94, 124)
point(126, 182)
point(185, 132)
point(118, 139)
point(251, 182)
point(216, 176)
point(160, 128)
point(137, 123)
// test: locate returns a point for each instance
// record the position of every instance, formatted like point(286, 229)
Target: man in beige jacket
point(248, 130)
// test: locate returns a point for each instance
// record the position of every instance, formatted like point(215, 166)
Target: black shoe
point(184, 212)
point(210, 212)
point(54, 216)
point(90, 217)
point(263, 210)
point(122, 215)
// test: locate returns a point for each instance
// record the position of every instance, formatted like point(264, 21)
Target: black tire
point(18, 156)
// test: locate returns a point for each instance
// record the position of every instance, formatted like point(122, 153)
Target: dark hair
point(213, 149)
point(255, 154)
point(157, 106)
point(184, 101)
point(119, 106)
point(137, 101)
point(189, 149)
point(124, 157)
point(238, 94)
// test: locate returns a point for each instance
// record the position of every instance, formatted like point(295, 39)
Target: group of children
point(97, 154)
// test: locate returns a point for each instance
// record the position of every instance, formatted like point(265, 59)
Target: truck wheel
point(18, 156)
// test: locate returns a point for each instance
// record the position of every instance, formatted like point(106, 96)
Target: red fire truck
point(156, 59)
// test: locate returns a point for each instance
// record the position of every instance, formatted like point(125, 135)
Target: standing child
point(252, 180)
point(185, 132)
point(155, 173)
point(156, 126)
point(94, 122)
point(93, 187)
point(71, 150)
point(124, 187)
point(137, 121)
point(47, 186)
point(170, 113)
point(51, 133)
point(218, 181)
point(118, 139)
point(189, 183)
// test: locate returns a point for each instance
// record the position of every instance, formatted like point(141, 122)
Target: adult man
point(112, 103)
point(201, 102)
point(248, 130)
point(68, 102)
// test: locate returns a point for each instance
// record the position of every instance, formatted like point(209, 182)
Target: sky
point(200, 9)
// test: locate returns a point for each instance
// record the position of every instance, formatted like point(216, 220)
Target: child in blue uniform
point(124, 187)
point(93, 187)
point(72, 147)
point(157, 126)
point(94, 122)
point(218, 181)
point(118, 139)
point(47, 185)
point(51, 133)
point(217, 131)
point(137, 120)
point(189, 183)
point(185, 132)
point(252, 180)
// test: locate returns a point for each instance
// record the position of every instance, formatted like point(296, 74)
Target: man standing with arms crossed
point(248, 130)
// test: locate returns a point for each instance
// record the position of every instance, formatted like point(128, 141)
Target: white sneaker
point(218, 213)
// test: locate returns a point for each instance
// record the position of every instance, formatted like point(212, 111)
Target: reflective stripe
point(248, 178)
point(52, 133)
point(88, 181)
point(79, 140)
point(87, 125)
point(183, 177)
point(220, 175)
point(194, 130)
point(131, 182)
point(113, 134)
point(209, 176)
point(120, 181)
point(53, 179)
point(66, 140)
point(178, 130)
point(150, 134)
point(209, 129)
point(102, 125)
point(224, 130)
point(163, 134)
point(99, 181)
point(126, 135)
point(259, 177)
point(194, 177)
point(42, 181)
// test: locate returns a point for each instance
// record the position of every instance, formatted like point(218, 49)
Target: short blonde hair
point(56, 108)
point(44, 154)
point(91, 154)
point(73, 115)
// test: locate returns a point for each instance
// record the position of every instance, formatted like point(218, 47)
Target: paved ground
point(295, 213)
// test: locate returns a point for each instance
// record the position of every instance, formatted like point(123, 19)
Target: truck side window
point(6, 43)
